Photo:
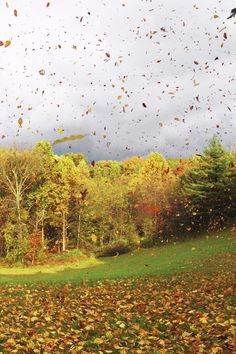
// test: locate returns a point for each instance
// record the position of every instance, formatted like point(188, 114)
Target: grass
point(166, 260)
point(178, 298)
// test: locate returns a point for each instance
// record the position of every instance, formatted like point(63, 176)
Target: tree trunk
point(42, 234)
point(64, 231)
point(42, 230)
point(20, 234)
point(78, 231)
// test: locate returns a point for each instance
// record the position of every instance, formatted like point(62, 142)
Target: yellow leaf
point(20, 122)
point(60, 130)
point(89, 110)
point(69, 138)
point(98, 341)
point(203, 320)
point(119, 98)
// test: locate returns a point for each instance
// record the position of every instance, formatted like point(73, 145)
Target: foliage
point(16, 249)
point(208, 187)
point(115, 248)
point(74, 205)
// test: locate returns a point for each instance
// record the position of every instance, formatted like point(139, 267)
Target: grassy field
point(173, 299)
point(169, 259)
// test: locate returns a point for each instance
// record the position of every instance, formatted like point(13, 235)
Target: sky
point(132, 76)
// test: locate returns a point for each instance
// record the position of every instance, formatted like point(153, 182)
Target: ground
point(173, 299)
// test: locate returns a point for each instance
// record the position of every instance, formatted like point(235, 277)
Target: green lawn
point(185, 256)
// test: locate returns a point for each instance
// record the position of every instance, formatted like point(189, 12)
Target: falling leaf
point(42, 72)
point(1, 43)
point(48, 4)
point(7, 5)
point(69, 138)
point(20, 122)
point(215, 16)
point(119, 98)
point(7, 43)
point(161, 124)
point(144, 105)
point(15, 12)
point(89, 110)
point(60, 130)
point(225, 35)
point(108, 55)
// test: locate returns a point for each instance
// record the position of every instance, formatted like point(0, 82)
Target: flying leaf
point(1, 43)
point(89, 110)
point(60, 130)
point(7, 43)
point(42, 72)
point(20, 122)
point(69, 138)
point(15, 12)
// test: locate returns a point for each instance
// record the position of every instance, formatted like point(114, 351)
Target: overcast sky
point(134, 75)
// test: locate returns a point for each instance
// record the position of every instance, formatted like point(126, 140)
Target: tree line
point(51, 203)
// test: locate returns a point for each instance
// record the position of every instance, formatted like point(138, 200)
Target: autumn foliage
point(51, 203)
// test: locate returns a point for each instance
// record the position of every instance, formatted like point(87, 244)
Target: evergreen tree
point(207, 186)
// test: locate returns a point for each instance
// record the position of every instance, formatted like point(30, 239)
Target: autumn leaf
point(15, 12)
point(20, 122)
point(60, 130)
point(69, 138)
point(89, 110)
point(7, 43)
point(1, 43)
point(42, 72)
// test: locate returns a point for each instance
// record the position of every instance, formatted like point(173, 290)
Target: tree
point(18, 173)
point(153, 186)
point(207, 186)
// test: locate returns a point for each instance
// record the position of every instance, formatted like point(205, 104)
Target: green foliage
point(208, 186)
point(16, 248)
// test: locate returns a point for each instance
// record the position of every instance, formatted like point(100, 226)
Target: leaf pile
point(186, 313)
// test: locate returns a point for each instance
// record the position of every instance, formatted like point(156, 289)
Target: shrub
point(114, 248)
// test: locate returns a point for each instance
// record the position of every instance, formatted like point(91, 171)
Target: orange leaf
point(7, 43)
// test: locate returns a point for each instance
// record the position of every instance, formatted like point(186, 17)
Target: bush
point(114, 249)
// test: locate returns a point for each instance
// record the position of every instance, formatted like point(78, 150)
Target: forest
point(51, 204)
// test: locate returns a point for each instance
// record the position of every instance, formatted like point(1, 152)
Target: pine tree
point(207, 186)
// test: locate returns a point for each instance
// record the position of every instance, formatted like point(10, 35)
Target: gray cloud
point(151, 47)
